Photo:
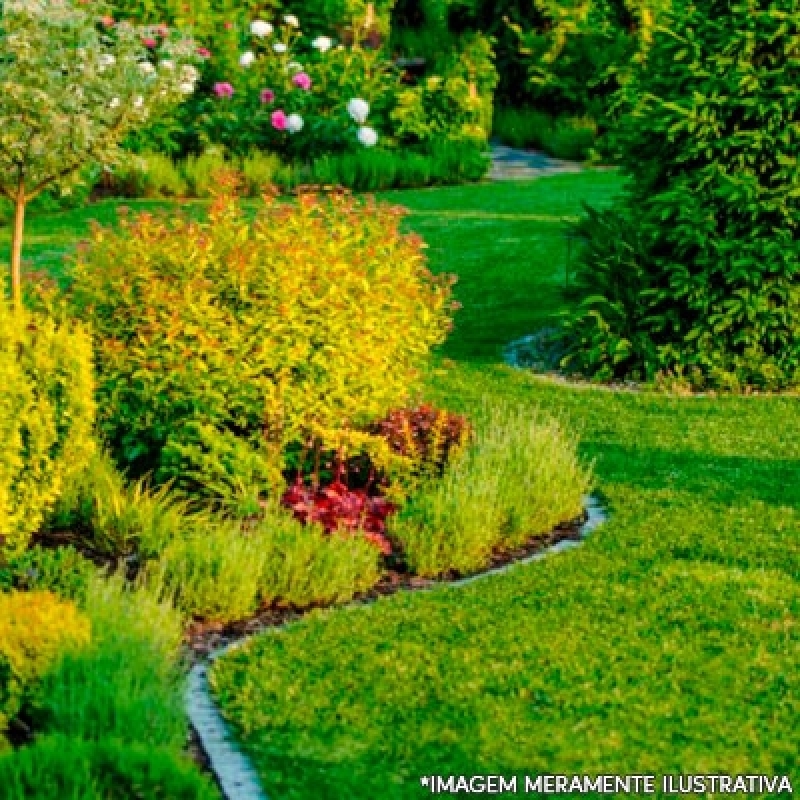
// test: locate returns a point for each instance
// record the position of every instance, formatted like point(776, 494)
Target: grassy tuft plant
point(113, 519)
point(226, 572)
point(69, 768)
point(304, 566)
point(128, 684)
point(518, 479)
point(213, 575)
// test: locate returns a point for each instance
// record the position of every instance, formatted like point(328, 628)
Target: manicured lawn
point(670, 642)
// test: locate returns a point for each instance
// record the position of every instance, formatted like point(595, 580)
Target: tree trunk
point(16, 249)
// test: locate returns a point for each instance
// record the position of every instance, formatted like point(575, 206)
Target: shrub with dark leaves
point(428, 436)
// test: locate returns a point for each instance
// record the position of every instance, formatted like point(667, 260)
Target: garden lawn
point(669, 642)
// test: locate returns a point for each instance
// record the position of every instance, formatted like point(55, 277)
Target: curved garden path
point(511, 164)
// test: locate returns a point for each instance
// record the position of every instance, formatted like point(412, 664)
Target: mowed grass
point(508, 244)
point(669, 642)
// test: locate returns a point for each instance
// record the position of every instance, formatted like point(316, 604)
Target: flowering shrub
point(71, 87)
point(34, 628)
point(272, 81)
point(225, 330)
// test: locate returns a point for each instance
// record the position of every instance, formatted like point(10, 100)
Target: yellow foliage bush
point(222, 340)
point(35, 627)
point(46, 417)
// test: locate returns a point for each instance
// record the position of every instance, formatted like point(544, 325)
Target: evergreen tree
point(697, 274)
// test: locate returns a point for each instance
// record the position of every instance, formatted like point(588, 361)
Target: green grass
point(669, 642)
point(507, 243)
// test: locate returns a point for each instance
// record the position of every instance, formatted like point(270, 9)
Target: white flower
point(146, 67)
point(138, 101)
point(186, 87)
point(279, 47)
point(294, 123)
point(291, 19)
point(260, 28)
point(322, 43)
point(293, 66)
point(167, 64)
point(189, 74)
point(114, 102)
point(246, 59)
point(358, 109)
point(106, 60)
point(367, 136)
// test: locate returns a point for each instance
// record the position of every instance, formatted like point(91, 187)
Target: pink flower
point(302, 80)
point(223, 90)
point(151, 43)
point(278, 119)
point(107, 22)
point(228, 26)
point(267, 95)
point(203, 52)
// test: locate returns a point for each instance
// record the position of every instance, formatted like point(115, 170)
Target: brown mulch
point(204, 638)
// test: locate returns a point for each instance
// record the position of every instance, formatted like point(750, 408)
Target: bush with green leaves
point(454, 105)
point(519, 478)
point(60, 570)
point(695, 277)
point(222, 340)
point(46, 417)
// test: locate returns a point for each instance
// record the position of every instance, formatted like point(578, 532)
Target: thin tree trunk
point(16, 249)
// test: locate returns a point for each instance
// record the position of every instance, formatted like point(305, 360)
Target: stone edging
point(234, 773)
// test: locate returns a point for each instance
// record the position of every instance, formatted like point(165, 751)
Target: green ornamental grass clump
point(226, 572)
point(519, 478)
point(696, 276)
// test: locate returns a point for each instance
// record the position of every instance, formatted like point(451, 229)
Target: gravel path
point(510, 164)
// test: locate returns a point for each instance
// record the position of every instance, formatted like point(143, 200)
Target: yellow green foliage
point(46, 417)
point(212, 334)
point(35, 627)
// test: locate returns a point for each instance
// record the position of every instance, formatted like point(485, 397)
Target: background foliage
point(696, 276)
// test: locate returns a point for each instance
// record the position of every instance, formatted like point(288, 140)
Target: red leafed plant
point(348, 498)
point(338, 508)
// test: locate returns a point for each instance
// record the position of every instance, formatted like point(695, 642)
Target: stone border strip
point(232, 769)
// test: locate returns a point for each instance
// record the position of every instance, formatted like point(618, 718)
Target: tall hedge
point(697, 274)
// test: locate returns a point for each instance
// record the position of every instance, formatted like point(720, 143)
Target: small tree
point(71, 86)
